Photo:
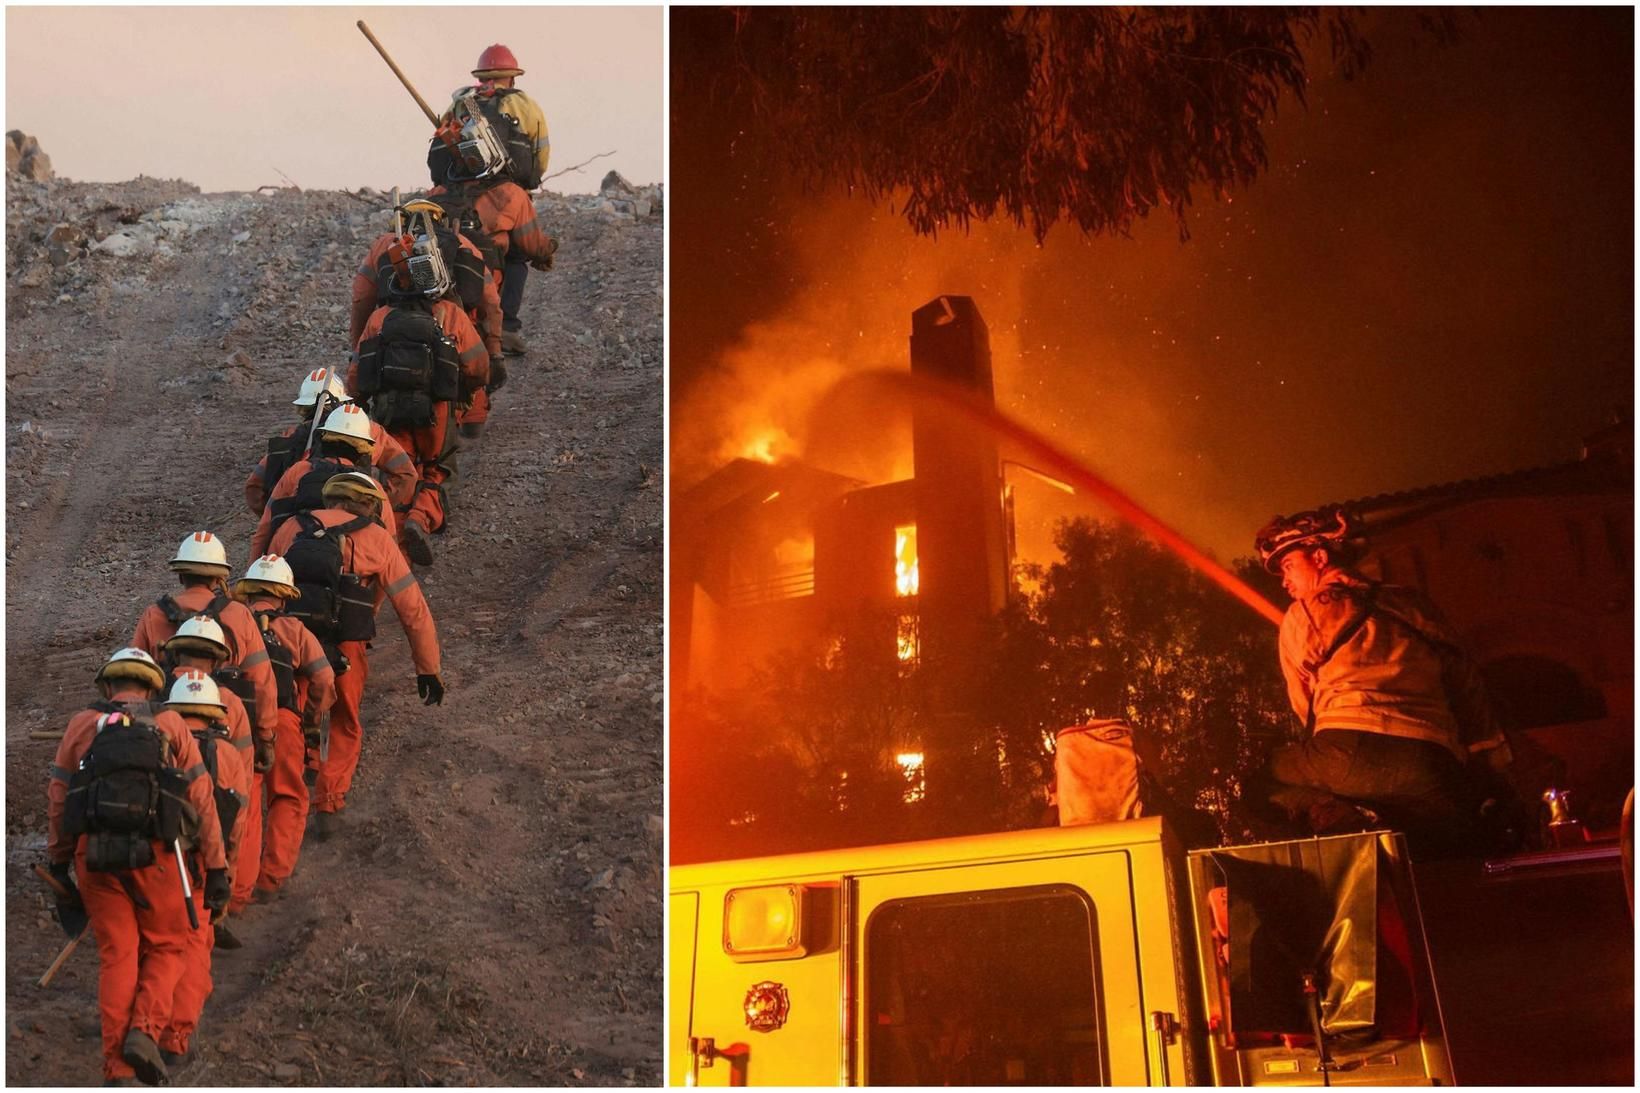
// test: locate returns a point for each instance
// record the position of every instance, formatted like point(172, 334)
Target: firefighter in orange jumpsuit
point(326, 385)
point(201, 564)
point(508, 215)
point(480, 296)
point(344, 442)
point(196, 699)
point(478, 292)
point(138, 915)
point(368, 554)
point(307, 686)
point(199, 645)
point(420, 322)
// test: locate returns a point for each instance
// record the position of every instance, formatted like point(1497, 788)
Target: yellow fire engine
point(1105, 955)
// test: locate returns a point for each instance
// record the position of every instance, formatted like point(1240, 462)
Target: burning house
point(770, 557)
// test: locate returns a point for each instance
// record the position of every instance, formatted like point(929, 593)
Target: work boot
point(416, 547)
point(513, 343)
point(226, 938)
point(141, 1054)
point(176, 1060)
point(325, 826)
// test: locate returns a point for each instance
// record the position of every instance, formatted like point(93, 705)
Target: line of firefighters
point(181, 796)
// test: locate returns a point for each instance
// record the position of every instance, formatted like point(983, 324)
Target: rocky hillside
point(491, 912)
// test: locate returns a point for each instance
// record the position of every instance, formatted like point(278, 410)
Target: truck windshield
point(984, 988)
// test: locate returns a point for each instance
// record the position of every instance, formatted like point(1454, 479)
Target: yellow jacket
point(1379, 658)
point(527, 113)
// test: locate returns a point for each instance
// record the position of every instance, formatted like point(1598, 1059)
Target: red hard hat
point(498, 60)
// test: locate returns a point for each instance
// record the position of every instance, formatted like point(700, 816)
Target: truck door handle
point(1166, 1028)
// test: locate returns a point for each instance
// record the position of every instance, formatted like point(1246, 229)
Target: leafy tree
point(1093, 115)
point(804, 756)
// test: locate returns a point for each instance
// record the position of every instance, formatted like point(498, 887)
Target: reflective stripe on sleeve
point(195, 771)
point(314, 665)
point(254, 659)
point(242, 743)
point(542, 144)
point(472, 354)
point(59, 773)
point(401, 584)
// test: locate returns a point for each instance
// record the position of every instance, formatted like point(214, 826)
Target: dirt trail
point(490, 912)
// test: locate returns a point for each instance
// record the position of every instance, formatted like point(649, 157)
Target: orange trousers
point(195, 985)
point(247, 860)
point(142, 953)
point(346, 733)
point(479, 412)
point(287, 794)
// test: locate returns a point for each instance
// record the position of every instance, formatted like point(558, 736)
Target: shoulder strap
point(173, 612)
point(214, 609)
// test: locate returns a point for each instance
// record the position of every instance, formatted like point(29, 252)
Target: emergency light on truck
point(764, 923)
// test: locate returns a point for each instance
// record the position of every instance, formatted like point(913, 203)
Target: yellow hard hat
point(354, 484)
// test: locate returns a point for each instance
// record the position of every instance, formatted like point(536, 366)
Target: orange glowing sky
point(228, 97)
point(1434, 280)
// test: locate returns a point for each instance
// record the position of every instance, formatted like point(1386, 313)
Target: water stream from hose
point(1045, 455)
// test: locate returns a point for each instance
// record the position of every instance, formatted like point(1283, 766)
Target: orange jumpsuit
point(371, 554)
point(389, 457)
point(286, 487)
point(486, 317)
point(141, 953)
point(430, 445)
point(287, 793)
point(508, 215)
point(153, 629)
point(233, 771)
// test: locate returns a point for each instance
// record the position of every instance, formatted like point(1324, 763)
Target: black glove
point(544, 263)
point(431, 690)
point(498, 375)
point(71, 913)
point(264, 754)
point(217, 891)
point(312, 736)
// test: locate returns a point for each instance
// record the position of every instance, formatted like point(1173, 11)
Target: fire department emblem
point(766, 1007)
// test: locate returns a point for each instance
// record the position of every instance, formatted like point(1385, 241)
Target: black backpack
point(228, 801)
point(280, 656)
point(445, 167)
point(334, 605)
point(126, 792)
point(230, 675)
point(309, 493)
point(407, 367)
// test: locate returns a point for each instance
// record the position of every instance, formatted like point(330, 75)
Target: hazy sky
point(221, 96)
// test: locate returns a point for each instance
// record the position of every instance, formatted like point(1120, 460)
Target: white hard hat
point(133, 663)
point(202, 552)
point(196, 693)
point(201, 629)
point(350, 422)
point(269, 573)
point(320, 381)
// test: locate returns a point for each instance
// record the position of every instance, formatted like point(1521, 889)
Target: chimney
point(961, 537)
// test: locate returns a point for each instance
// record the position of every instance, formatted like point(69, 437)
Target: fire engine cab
point(1104, 954)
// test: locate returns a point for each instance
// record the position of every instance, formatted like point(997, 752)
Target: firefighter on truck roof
point(1393, 705)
